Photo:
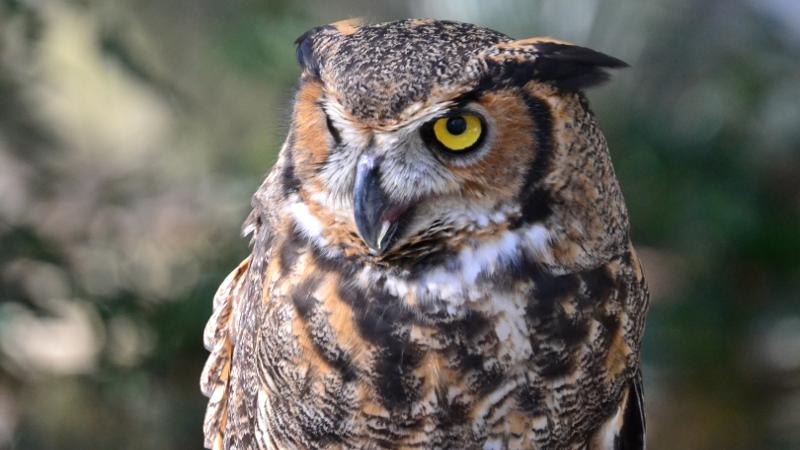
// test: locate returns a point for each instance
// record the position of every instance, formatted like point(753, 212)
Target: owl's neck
point(488, 256)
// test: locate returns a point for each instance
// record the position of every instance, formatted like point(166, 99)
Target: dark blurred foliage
point(133, 132)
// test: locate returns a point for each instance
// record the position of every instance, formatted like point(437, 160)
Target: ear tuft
point(307, 57)
point(568, 67)
point(572, 67)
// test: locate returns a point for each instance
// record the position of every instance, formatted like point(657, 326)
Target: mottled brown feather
point(509, 313)
point(218, 340)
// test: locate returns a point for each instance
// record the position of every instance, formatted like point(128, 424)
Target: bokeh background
point(133, 132)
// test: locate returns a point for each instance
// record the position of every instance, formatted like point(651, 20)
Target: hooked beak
point(378, 219)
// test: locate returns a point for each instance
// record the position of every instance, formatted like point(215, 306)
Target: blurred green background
point(132, 134)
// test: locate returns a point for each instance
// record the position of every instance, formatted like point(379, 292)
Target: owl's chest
point(348, 357)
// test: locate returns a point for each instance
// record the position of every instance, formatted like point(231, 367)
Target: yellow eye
point(458, 133)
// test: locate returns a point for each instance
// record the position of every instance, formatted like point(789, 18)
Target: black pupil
point(456, 125)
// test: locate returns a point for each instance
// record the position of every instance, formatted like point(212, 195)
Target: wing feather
point(218, 339)
point(625, 429)
point(632, 435)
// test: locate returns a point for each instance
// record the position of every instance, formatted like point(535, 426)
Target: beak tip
point(380, 242)
point(377, 245)
point(370, 207)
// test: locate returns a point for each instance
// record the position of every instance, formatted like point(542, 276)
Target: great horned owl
point(440, 256)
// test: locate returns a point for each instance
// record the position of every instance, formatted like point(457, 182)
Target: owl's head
point(416, 138)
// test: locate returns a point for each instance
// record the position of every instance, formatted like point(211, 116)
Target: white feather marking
point(510, 324)
point(307, 223)
point(457, 284)
point(248, 230)
point(537, 238)
point(502, 330)
point(445, 282)
point(487, 403)
point(493, 444)
point(539, 423)
point(607, 434)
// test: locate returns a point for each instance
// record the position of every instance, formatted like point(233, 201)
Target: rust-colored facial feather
point(500, 173)
point(492, 178)
point(312, 143)
point(477, 185)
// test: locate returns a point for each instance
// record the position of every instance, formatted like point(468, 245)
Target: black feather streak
point(632, 434)
point(536, 201)
point(380, 318)
point(289, 181)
